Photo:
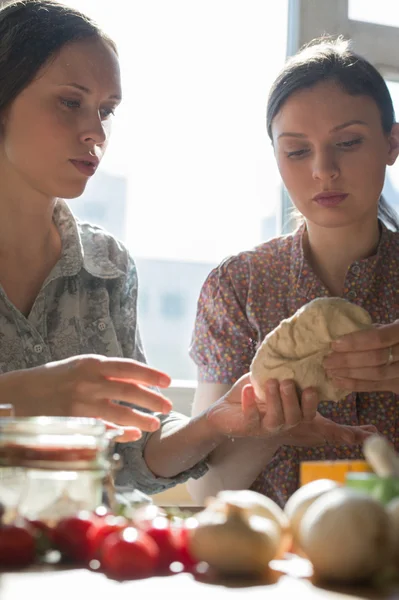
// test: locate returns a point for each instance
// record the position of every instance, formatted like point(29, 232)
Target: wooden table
point(288, 580)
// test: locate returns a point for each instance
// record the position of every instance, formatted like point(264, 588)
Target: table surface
point(288, 580)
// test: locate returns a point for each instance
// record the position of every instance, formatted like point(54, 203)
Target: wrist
point(207, 431)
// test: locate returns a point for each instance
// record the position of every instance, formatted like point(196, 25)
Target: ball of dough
point(297, 347)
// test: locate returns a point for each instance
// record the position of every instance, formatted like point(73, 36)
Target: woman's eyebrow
point(348, 124)
point(334, 129)
point(86, 90)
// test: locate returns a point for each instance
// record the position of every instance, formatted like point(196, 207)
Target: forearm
point(179, 445)
point(234, 465)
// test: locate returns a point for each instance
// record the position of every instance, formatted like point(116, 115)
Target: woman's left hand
point(366, 361)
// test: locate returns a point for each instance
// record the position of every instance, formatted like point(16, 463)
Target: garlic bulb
point(304, 497)
point(234, 543)
point(346, 536)
point(254, 503)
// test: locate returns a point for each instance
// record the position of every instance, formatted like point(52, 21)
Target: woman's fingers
point(290, 403)
point(130, 370)
point(381, 336)
point(334, 433)
point(134, 394)
point(309, 402)
point(122, 416)
point(274, 416)
point(355, 360)
point(367, 374)
point(129, 434)
point(355, 385)
point(250, 407)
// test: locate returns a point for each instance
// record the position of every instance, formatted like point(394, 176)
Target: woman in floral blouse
point(331, 122)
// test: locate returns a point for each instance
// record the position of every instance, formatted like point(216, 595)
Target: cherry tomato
point(129, 554)
point(101, 530)
point(71, 536)
point(17, 546)
point(167, 539)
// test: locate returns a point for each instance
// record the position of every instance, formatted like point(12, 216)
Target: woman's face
point(332, 154)
point(56, 131)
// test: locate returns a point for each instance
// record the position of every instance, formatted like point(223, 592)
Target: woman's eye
point(297, 153)
point(106, 112)
point(350, 143)
point(70, 103)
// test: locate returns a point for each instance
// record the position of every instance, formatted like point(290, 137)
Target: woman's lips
point(85, 167)
point(330, 200)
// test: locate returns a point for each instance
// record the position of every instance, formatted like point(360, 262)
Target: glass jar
point(52, 467)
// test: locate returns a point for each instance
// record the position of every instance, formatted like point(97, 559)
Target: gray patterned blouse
point(87, 305)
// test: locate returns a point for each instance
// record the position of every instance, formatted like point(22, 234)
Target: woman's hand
point(282, 417)
point(88, 386)
point(366, 361)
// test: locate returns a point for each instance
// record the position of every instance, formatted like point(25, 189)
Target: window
point(383, 12)
point(172, 306)
point(189, 176)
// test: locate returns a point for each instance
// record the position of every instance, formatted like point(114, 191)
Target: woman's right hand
point(282, 417)
point(88, 386)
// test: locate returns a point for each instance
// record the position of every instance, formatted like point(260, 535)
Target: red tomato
point(101, 530)
point(17, 546)
point(71, 536)
point(167, 539)
point(129, 554)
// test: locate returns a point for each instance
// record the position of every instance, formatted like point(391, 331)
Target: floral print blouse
point(247, 296)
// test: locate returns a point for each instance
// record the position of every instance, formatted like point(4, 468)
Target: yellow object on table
point(331, 469)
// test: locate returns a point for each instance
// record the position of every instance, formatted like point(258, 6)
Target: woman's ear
point(393, 141)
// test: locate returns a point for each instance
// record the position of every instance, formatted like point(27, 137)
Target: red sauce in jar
point(18, 455)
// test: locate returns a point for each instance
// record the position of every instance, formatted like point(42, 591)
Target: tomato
point(71, 536)
point(17, 546)
point(129, 554)
point(167, 539)
point(101, 530)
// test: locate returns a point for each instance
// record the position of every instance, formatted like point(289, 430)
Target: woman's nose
point(325, 166)
point(94, 132)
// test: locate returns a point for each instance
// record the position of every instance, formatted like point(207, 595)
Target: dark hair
point(31, 32)
point(326, 59)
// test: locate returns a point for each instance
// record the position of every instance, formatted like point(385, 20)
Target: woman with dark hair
point(331, 122)
point(69, 341)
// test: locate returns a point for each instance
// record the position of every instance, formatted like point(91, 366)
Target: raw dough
point(296, 348)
